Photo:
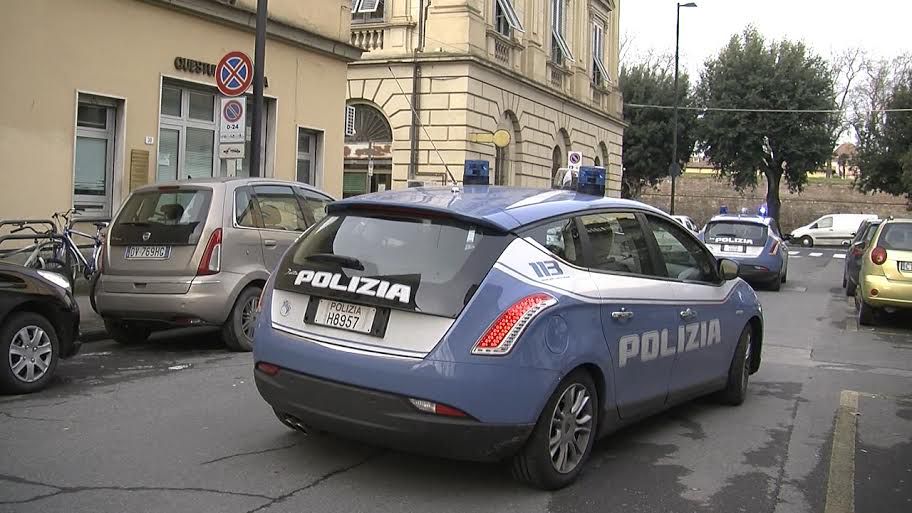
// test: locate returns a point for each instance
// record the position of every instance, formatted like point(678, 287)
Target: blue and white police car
point(753, 241)
point(486, 323)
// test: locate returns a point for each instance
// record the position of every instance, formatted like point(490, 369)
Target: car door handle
point(622, 315)
point(269, 243)
point(688, 314)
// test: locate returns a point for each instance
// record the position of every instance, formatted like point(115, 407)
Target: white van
point(830, 229)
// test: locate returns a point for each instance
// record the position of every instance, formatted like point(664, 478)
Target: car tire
point(534, 463)
point(867, 314)
point(93, 290)
point(127, 333)
point(28, 341)
point(776, 284)
point(851, 288)
point(237, 332)
point(735, 390)
point(806, 241)
point(785, 273)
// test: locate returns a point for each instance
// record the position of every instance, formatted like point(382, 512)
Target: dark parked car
point(863, 237)
point(39, 324)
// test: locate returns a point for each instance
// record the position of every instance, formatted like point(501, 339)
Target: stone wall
point(700, 196)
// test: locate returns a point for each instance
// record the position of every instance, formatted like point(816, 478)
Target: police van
point(753, 241)
point(489, 323)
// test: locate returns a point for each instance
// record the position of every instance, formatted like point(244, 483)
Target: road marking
point(840, 256)
point(840, 497)
point(794, 252)
point(816, 254)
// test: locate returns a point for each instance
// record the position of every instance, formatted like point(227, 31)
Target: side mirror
point(729, 269)
point(787, 237)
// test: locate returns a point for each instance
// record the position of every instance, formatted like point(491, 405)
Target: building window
point(307, 160)
point(560, 50)
point(367, 11)
point(505, 18)
point(188, 135)
point(599, 71)
point(94, 155)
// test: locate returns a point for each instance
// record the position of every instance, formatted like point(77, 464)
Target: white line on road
point(794, 252)
point(816, 254)
point(840, 256)
point(840, 497)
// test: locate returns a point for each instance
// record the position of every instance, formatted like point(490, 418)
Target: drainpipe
point(416, 90)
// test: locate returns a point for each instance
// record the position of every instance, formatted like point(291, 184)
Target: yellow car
point(885, 279)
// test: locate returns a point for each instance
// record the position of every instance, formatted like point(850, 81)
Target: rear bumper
point(890, 293)
point(208, 301)
point(759, 269)
point(386, 419)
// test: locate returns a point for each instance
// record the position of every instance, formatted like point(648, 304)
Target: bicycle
point(69, 253)
point(43, 252)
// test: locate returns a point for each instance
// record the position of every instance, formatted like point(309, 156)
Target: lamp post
point(675, 169)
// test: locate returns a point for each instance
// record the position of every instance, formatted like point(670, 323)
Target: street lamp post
point(675, 168)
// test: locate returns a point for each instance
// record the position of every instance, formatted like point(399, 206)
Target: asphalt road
point(177, 425)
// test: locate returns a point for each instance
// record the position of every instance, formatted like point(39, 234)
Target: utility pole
point(416, 88)
point(675, 168)
point(259, 66)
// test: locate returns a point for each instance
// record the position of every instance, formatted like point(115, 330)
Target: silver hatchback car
point(198, 252)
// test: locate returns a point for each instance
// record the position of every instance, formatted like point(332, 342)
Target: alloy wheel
point(30, 354)
point(571, 428)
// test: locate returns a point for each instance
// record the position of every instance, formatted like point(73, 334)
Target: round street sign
point(234, 73)
point(232, 111)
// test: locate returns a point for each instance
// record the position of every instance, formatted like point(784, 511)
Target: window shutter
point(510, 13)
point(349, 120)
point(368, 6)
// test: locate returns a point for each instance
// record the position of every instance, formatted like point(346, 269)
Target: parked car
point(686, 222)
point(39, 325)
point(755, 242)
point(885, 280)
point(461, 324)
point(863, 236)
point(197, 253)
point(829, 229)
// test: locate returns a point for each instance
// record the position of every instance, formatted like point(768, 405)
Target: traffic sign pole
point(259, 56)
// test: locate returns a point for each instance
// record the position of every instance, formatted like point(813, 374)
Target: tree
point(885, 142)
point(647, 139)
point(750, 73)
point(846, 68)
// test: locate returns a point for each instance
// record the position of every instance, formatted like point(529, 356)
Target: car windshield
point(167, 216)
point(752, 234)
point(441, 261)
point(896, 236)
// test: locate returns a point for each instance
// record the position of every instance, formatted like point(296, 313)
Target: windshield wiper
point(344, 261)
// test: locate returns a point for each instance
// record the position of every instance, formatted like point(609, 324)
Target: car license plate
point(346, 316)
point(905, 267)
point(148, 252)
point(728, 248)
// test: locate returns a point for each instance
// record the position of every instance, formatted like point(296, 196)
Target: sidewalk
point(91, 326)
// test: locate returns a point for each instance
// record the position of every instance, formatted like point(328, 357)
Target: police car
point(486, 323)
point(753, 241)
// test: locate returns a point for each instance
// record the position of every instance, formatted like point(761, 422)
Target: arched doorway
point(507, 158)
point(559, 154)
point(368, 153)
point(557, 161)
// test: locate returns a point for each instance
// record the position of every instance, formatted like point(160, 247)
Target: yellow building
point(543, 70)
point(105, 95)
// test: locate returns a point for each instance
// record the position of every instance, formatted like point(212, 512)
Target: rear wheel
point(850, 288)
point(735, 390)
point(30, 348)
point(776, 284)
point(237, 332)
point(93, 288)
point(563, 437)
point(867, 314)
point(127, 332)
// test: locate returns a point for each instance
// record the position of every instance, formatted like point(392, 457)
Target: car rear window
point(167, 216)
point(896, 236)
point(427, 265)
point(733, 232)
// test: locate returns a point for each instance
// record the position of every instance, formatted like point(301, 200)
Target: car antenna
point(417, 119)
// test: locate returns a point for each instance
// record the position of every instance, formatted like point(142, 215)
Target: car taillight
point(774, 250)
point(879, 255)
point(503, 333)
point(267, 368)
point(211, 263)
point(436, 408)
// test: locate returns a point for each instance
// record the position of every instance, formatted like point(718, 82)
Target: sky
point(882, 27)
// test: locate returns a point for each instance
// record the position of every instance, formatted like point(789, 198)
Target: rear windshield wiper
point(344, 261)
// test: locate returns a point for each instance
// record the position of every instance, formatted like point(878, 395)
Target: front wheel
point(806, 241)
point(31, 349)
point(735, 390)
point(563, 437)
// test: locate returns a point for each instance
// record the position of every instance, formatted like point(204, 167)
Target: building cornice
point(232, 16)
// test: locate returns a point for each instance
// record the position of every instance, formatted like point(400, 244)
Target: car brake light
point(436, 408)
point(211, 263)
point(775, 249)
point(503, 333)
point(268, 368)
point(879, 255)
